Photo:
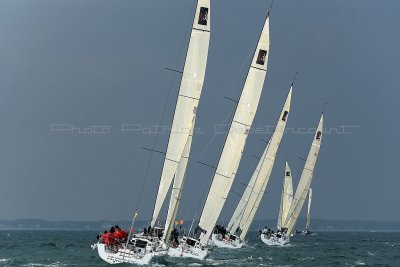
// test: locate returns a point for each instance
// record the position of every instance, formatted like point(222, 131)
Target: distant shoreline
point(317, 225)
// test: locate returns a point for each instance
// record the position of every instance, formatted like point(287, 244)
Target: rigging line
point(144, 187)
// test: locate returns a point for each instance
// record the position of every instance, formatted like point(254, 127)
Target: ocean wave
point(70, 245)
point(305, 258)
point(4, 261)
point(54, 264)
point(47, 244)
point(358, 262)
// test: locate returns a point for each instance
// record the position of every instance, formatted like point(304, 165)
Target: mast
point(308, 210)
point(286, 198)
point(188, 100)
point(305, 181)
point(236, 138)
point(264, 169)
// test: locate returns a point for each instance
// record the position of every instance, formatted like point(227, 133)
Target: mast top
point(270, 8)
point(323, 111)
point(294, 78)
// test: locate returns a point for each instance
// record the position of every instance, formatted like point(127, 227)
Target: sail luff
point(188, 99)
point(286, 198)
point(264, 173)
point(309, 210)
point(305, 180)
point(236, 138)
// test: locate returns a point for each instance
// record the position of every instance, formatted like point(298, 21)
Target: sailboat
point(286, 198)
point(307, 230)
point(244, 214)
point(142, 247)
point(282, 237)
point(197, 246)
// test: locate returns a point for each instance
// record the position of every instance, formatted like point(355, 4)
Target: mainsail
point(308, 210)
point(263, 172)
point(236, 138)
point(188, 99)
point(305, 181)
point(286, 198)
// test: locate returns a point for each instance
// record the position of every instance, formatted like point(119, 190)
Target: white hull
point(273, 240)
point(188, 252)
point(124, 255)
point(220, 242)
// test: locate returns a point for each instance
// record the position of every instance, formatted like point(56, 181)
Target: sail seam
point(201, 30)
point(172, 160)
point(223, 175)
point(244, 124)
point(195, 98)
point(258, 68)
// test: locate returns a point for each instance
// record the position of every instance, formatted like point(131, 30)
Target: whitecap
point(55, 264)
point(305, 259)
point(359, 262)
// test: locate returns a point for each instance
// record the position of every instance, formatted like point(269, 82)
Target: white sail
point(264, 169)
point(308, 210)
point(237, 135)
point(177, 188)
point(305, 180)
point(286, 198)
point(238, 213)
point(188, 99)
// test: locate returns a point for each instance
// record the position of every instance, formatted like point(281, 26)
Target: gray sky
point(85, 63)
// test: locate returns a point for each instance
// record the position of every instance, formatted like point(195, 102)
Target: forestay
point(305, 180)
point(236, 138)
point(188, 99)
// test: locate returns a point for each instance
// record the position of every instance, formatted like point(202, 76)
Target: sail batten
point(236, 138)
point(188, 100)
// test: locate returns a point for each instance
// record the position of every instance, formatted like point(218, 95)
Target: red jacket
point(110, 239)
point(123, 234)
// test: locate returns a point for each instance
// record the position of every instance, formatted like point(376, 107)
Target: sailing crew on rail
point(119, 234)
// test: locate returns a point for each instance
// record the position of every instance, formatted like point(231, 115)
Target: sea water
point(72, 248)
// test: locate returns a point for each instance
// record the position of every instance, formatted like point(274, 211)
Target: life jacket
point(123, 234)
point(117, 234)
point(110, 239)
point(104, 238)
